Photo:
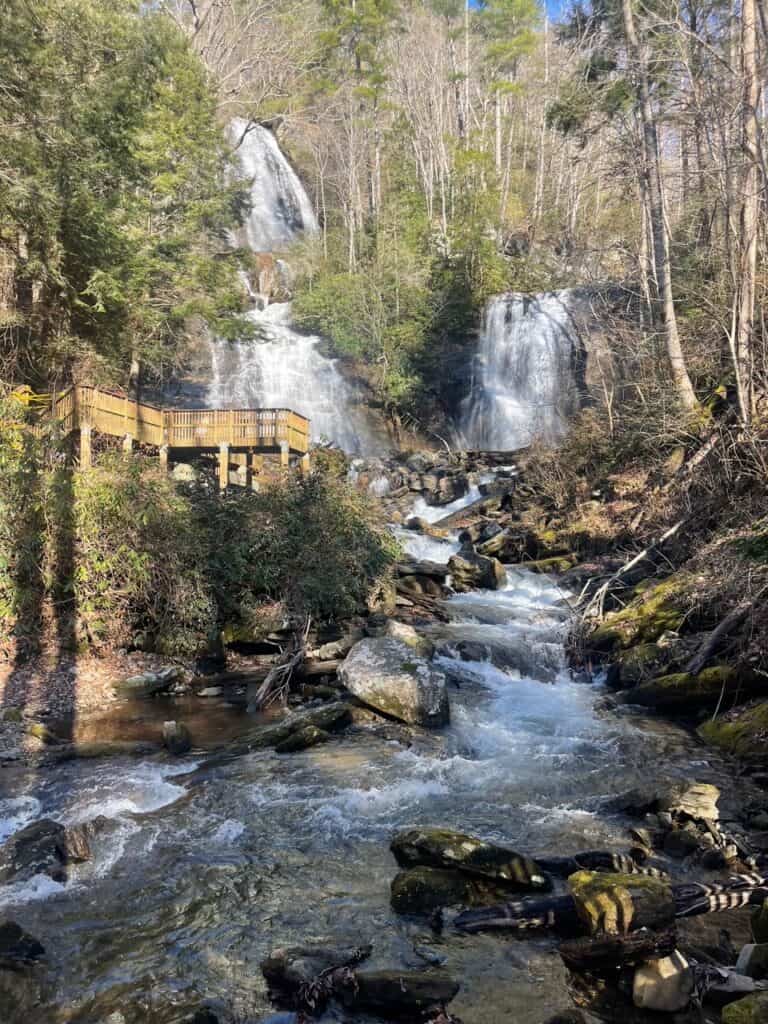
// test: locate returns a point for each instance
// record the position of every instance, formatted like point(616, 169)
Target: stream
point(207, 863)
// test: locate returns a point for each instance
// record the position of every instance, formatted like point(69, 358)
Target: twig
point(275, 686)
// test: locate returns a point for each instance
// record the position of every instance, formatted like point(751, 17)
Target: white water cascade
point(524, 386)
point(282, 368)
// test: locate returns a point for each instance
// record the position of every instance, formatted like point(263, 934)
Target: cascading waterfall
point(282, 368)
point(525, 383)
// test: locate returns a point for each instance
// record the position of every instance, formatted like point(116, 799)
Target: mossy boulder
point(682, 692)
point(750, 1010)
point(743, 734)
point(656, 609)
point(644, 662)
point(618, 903)
point(422, 890)
point(555, 564)
point(443, 848)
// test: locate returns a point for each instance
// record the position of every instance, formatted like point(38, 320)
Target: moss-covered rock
point(618, 903)
point(556, 564)
point(301, 739)
point(682, 692)
point(744, 733)
point(422, 890)
point(750, 1010)
point(656, 609)
point(443, 848)
point(644, 662)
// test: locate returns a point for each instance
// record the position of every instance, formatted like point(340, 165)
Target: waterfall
point(524, 385)
point(283, 368)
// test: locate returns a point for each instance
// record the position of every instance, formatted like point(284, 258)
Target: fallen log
point(320, 668)
point(602, 952)
point(720, 633)
point(422, 567)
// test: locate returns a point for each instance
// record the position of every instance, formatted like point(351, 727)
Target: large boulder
point(470, 571)
point(618, 903)
point(421, 890)
point(684, 693)
point(656, 609)
point(443, 848)
point(44, 847)
point(390, 676)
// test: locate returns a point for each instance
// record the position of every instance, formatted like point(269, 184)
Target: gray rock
point(148, 683)
point(176, 738)
point(470, 571)
point(663, 985)
point(391, 677)
point(211, 691)
point(753, 960)
point(33, 850)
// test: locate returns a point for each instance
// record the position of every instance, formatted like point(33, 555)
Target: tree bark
point(638, 56)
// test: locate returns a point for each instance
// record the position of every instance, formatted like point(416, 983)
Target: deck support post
point(128, 443)
point(85, 446)
point(223, 466)
point(257, 467)
point(285, 453)
point(163, 453)
point(305, 464)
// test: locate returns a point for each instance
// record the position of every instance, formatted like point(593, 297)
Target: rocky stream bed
point(166, 886)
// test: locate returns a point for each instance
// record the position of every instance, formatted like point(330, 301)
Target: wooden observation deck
point(239, 436)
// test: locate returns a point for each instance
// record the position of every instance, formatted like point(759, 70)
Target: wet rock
point(18, 949)
point(308, 736)
point(177, 738)
point(680, 843)
point(683, 693)
point(750, 1010)
point(290, 967)
point(398, 993)
point(753, 960)
point(679, 797)
point(471, 571)
point(664, 985)
point(75, 844)
point(408, 635)
point(148, 683)
point(618, 903)
point(443, 848)
point(759, 923)
point(422, 890)
point(391, 677)
point(210, 691)
point(33, 850)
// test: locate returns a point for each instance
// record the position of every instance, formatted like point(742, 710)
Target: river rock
point(750, 1010)
point(33, 850)
point(679, 797)
point(421, 890)
point(684, 693)
point(329, 718)
point(398, 993)
point(680, 843)
point(753, 960)
point(290, 967)
point(18, 948)
point(389, 676)
point(664, 985)
point(470, 571)
point(177, 738)
point(301, 739)
point(443, 848)
point(148, 683)
point(618, 903)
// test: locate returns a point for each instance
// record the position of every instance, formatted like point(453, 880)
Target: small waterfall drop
point(525, 386)
point(282, 368)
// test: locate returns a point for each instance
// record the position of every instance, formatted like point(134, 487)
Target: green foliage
point(113, 199)
point(122, 556)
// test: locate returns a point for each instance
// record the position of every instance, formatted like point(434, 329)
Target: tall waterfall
point(524, 385)
point(282, 368)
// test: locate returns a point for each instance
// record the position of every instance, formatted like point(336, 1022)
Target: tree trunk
point(660, 233)
point(748, 221)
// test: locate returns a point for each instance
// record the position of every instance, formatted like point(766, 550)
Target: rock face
point(442, 848)
point(664, 985)
point(470, 571)
point(391, 677)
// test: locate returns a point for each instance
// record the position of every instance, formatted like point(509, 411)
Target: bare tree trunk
point(748, 221)
point(638, 57)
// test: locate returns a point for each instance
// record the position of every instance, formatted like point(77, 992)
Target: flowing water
point(207, 862)
point(525, 380)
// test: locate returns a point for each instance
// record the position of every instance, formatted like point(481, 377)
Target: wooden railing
point(119, 416)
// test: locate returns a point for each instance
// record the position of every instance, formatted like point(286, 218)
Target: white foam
point(228, 831)
point(138, 789)
point(16, 812)
point(39, 887)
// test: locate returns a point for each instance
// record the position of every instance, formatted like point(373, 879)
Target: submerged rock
point(177, 738)
point(391, 677)
point(18, 948)
point(443, 848)
point(301, 739)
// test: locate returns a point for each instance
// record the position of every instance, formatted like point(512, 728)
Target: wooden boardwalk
point(237, 436)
